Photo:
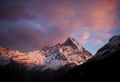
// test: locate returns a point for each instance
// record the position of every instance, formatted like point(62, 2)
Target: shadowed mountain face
point(104, 66)
point(43, 65)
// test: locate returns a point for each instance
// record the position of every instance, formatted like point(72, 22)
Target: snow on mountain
point(50, 57)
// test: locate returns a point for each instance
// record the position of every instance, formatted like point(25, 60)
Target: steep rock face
point(73, 51)
point(50, 57)
point(104, 66)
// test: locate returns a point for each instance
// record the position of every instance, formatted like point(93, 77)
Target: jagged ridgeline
point(46, 64)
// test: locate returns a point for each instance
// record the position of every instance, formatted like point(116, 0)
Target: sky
point(27, 25)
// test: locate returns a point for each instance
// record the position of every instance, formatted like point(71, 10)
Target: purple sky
point(32, 24)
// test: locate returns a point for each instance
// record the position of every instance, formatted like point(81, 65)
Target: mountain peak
point(73, 42)
point(70, 40)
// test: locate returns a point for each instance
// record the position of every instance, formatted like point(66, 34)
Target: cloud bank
point(29, 25)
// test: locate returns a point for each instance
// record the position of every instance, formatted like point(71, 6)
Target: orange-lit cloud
point(84, 37)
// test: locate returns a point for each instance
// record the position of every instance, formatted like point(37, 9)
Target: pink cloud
point(104, 15)
point(84, 37)
point(103, 35)
point(97, 42)
point(64, 10)
point(59, 19)
point(76, 24)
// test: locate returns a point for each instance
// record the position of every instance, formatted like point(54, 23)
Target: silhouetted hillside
point(104, 66)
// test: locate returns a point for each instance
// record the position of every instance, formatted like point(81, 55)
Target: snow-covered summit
point(72, 42)
point(51, 57)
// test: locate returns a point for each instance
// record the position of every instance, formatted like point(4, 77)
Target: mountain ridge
point(52, 57)
point(104, 65)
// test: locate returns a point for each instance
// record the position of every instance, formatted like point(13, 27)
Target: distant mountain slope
point(104, 66)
